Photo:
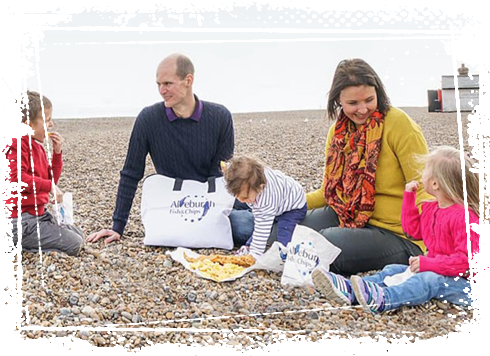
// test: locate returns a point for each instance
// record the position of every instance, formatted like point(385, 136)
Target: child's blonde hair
point(243, 171)
point(444, 165)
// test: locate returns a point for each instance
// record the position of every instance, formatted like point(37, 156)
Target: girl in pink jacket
point(443, 225)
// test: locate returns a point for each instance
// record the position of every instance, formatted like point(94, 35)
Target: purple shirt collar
point(196, 115)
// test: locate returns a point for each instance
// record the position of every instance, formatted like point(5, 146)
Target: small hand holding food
point(57, 141)
point(412, 186)
point(57, 194)
point(414, 264)
point(224, 165)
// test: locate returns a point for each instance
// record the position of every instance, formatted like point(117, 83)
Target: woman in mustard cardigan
point(369, 158)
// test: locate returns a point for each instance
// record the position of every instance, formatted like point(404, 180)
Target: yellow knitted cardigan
point(402, 138)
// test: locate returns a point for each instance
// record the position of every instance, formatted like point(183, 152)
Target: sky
point(119, 79)
point(250, 59)
point(98, 59)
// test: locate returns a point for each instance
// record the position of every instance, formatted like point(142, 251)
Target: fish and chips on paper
point(224, 268)
point(296, 261)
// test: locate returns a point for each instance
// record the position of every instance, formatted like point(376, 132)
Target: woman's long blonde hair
point(444, 165)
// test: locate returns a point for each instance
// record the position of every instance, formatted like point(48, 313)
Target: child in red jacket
point(441, 274)
point(40, 230)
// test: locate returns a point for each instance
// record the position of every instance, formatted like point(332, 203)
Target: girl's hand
point(412, 186)
point(57, 141)
point(414, 264)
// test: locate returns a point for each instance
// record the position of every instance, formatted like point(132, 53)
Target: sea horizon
point(126, 116)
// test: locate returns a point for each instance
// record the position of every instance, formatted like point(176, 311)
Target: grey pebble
point(313, 315)
point(206, 306)
point(195, 316)
point(73, 299)
point(126, 315)
point(442, 305)
point(167, 263)
point(169, 299)
point(211, 295)
point(88, 310)
point(136, 318)
point(271, 309)
point(192, 296)
point(65, 311)
point(95, 299)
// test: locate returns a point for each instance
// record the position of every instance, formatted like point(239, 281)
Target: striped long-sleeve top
point(280, 194)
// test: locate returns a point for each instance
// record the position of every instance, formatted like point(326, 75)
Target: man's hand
point(57, 141)
point(412, 186)
point(414, 264)
point(110, 234)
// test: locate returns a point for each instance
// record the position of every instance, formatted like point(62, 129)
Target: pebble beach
point(126, 284)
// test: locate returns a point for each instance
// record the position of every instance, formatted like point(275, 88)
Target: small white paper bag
point(307, 250)
point(64, 210)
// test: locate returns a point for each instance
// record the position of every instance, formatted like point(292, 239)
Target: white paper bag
point(64, 210)
point(307, 250)
point(273, 259)
point(186, 213)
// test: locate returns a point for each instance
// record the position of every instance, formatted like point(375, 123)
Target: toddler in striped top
point(272, 196)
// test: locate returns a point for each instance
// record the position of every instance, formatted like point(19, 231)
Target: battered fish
point(243, 261)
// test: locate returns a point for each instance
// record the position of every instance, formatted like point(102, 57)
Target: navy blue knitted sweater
point(183, 148)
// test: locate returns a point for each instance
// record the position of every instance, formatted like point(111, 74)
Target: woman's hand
point(414, 264)
point(412, 186)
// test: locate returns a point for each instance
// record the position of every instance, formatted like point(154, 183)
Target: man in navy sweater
point(185, 137)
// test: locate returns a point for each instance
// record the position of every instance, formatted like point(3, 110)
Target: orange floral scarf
point(350, 169)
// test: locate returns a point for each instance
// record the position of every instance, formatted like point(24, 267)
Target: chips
point(215, 270)
point(220, 267)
